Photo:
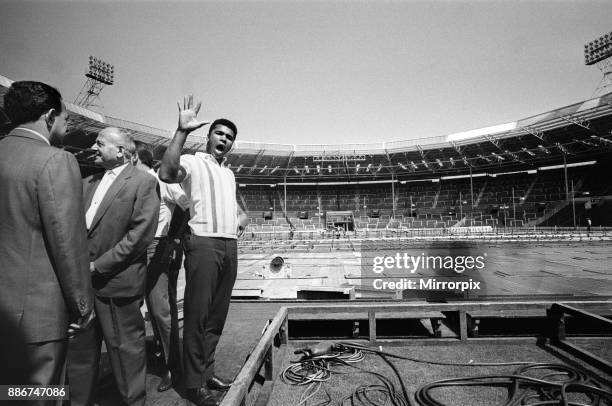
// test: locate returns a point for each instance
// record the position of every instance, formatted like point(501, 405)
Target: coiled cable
point(553, 388)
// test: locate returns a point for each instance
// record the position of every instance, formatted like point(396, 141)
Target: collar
point(118, 169)
point(35, 133)
point(207, 156)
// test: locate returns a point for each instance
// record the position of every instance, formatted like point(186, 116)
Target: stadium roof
point(572, 133)
point(87, 121)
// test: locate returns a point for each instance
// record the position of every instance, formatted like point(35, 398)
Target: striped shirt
point(211, 190)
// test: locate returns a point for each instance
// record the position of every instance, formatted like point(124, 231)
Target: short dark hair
point(26, 101)
point(225, 122)
point(144, 155)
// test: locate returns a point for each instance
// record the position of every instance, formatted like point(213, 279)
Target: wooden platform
point(474, 317)
point(270, 348)
point(433, 317)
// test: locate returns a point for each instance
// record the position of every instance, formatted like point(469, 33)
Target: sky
point(314, 72)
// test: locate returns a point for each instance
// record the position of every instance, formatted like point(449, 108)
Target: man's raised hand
point(188, 115)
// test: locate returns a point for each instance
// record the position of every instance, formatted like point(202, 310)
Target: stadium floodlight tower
point(599, 53)
point(99, 75)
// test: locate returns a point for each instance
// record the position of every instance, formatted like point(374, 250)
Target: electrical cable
point(360, 395)
point(549, 392)
point(399, 377)
point(460, 364)
point(519, 387)
point(309, 392)
point(313, 370)
point(523, 390)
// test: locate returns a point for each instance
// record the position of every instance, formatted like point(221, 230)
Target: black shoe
point(202, 397)
point(217, 383)
point(166, 382)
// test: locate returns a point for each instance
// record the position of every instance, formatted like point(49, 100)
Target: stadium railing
point(327, 240)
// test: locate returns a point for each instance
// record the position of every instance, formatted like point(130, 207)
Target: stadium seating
point(511, 200)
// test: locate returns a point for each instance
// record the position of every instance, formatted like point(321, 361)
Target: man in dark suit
point(164, 260)
point(44, 269)
point(122, 208)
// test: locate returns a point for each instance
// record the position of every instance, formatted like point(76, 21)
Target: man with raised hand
point(44, 267)
point(211, 254)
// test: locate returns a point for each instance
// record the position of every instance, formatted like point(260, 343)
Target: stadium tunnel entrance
point(342, 219)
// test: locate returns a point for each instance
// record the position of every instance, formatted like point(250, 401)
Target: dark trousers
point(120, 323)
point(164, 258)
point(47, 367)
point(210, 269)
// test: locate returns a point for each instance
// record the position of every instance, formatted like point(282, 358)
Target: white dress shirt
point(106, 182)
point(170, 196)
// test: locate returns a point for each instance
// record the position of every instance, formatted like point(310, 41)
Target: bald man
point(122, 209)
